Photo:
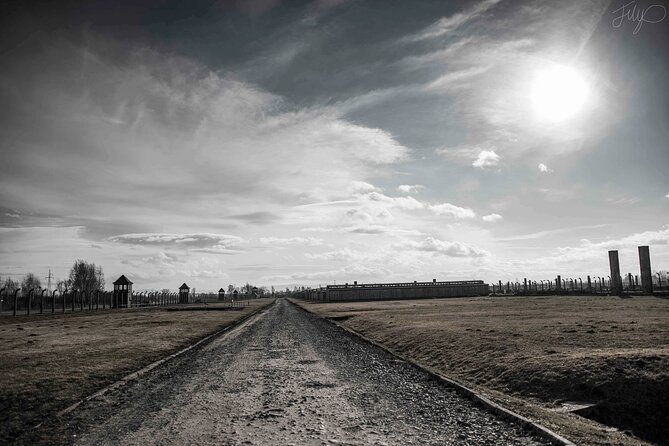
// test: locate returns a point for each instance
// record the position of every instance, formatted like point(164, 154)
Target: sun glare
point(558, 93)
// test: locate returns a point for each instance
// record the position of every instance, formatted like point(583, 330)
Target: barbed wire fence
point(20, 302)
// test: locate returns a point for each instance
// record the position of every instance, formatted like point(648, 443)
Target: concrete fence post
point(41, 301)
point(16, 301)
point(29, 301)
point(558, 284)
point(644, 266)
point(53, 301)
point(615, 285)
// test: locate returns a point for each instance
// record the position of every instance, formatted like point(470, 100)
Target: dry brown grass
point(534, 353)
point(49, 362)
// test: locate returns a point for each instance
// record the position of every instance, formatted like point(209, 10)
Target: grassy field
point(536, 355)
point(51, 361)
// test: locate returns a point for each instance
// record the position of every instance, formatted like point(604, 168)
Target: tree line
point(83, 276)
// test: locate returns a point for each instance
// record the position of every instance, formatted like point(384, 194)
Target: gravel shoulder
point(284, 377)
point(48, 362)
point(607, 358)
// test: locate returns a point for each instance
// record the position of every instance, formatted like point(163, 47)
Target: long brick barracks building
point(388, 291)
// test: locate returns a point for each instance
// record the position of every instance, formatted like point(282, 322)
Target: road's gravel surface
point(287, 377)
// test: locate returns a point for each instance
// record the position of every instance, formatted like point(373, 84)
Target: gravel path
point(287, 377)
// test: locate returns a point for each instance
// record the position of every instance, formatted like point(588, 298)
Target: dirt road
point(286, 377)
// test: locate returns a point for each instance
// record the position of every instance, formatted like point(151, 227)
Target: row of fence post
point(81, 299)
point(591, 285)
point(93, 300)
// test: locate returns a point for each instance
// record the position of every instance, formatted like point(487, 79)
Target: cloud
point(362, 187)
point(486, 158)
point(450, 249)
point(233, 147)
point(305, 241)
point(257, 218)
point(375, 213)
point(624, 200)
point(454, 79)
point(544, 168)
point(666, 196)
point(340, 255)
point(412, 204)
point(378, 229)
point(452, 210)
point(650, 238)
point(541, 234)
point(197, 240)
point(410, 188)
point(491, 218)
point(350, 271)
point(449, 24)
point(588, 252)
point(408, 203)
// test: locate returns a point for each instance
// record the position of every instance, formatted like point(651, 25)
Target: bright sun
point(558, 93)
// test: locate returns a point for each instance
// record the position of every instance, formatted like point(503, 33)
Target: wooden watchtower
point(184, 291)
point(122, 292)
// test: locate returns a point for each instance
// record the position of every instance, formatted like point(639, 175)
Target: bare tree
point(86, 276)
point(30, 282)
point(10, 285)
point(61, 285)
point(101, 278)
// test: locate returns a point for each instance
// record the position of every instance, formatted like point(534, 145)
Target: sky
point(315, 142)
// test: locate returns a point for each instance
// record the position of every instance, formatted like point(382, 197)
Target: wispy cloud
point(356, 271)
point(626, 200)
point(257, 218)
point(283, 241)
point(658, 237)
point(541, 234)
point(455, 79)
point(225, 139)
point(197, 240)
point(451, 23)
